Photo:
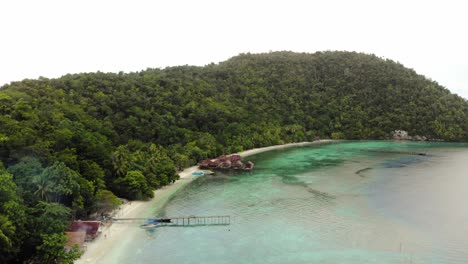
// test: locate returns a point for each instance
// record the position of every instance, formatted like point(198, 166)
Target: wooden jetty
point(180, 221)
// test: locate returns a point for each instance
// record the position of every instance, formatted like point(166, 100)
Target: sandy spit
point(265, 149)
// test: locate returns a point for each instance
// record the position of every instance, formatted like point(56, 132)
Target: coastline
point(115, 236)
point(114, 233)
point(254, 151)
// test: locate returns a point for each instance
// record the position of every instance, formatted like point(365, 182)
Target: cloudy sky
point(52, 38)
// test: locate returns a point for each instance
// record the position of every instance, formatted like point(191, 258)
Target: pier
point(180, 221)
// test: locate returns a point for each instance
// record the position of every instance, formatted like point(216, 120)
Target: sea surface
point(331, 203)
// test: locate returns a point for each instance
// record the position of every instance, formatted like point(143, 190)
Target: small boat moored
point(203, 173)
point(154, 222)
point(150, 225)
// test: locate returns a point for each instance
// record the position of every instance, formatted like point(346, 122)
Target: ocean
point(344, 202)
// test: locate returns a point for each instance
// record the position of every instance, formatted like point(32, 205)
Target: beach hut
point(204, 164)
point(235, 158)
point(213, 164)
point(237, 164)
point(92, 228)
point(226, 164)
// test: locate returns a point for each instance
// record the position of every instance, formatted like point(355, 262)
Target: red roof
point(235, 157)
point(90, 227)
point(75, 238)
point(204, 162)
point(214, 162)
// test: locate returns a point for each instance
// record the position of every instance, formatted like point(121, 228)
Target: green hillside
point(69, 144)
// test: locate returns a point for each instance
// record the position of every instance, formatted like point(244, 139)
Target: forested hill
point(69, 144)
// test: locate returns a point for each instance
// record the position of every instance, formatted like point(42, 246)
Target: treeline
point(70, 146)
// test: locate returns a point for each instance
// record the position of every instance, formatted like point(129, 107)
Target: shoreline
point(113, 235)
point(255, 151)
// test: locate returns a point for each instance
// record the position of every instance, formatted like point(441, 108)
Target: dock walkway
point(181, 221)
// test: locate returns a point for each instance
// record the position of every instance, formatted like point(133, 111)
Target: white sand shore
point(251, 152)
point(113, 236)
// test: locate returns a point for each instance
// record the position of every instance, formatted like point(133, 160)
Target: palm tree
point(120, 161)
point(43, 187)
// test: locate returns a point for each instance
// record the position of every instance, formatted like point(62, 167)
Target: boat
point(203, 173)
point(150, 225)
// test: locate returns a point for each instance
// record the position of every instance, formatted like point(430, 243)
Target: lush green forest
point(70, 146)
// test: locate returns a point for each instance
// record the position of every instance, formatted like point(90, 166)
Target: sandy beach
point(251, 152)
point(115, 235)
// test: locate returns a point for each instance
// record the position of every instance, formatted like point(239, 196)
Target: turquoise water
point(334, 203)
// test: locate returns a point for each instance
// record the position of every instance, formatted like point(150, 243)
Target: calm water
point(335, 203)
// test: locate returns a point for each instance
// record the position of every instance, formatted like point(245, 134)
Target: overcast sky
point(52, 38)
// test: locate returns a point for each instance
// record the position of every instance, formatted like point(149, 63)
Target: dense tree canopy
point(69, 145)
